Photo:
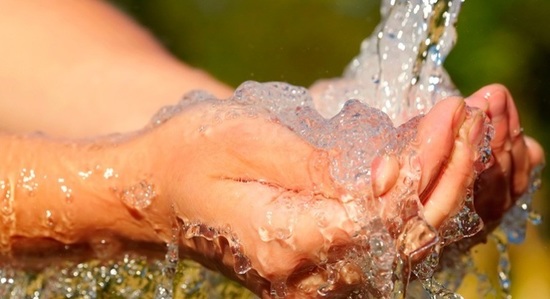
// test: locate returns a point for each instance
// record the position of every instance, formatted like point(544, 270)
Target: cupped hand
point(258, 202)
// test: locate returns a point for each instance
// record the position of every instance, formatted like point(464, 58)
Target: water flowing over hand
point(267, 207)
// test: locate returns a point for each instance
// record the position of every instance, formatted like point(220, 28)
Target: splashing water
point(397, 77)
point(400, 68)
point(372, 111)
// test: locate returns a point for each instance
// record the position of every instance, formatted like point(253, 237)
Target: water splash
point(130, 276)
point(503, 266)
point(515, 221)
point(400, 68)
point(195, 229)
point(397, 76)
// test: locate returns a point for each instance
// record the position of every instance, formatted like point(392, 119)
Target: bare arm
point(58, 192)
point(81, 68)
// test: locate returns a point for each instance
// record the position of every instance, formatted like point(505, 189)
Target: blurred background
point(504, 41)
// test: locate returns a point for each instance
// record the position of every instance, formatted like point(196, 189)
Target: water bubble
point(416, 237)
point(241, 262)
point(109, 173)
point(104, 245)
point(138, 196)
point(164, 114)
point(436, 290)
point(84, 175)
point(278, 289)
point(515, 221)
point(6, 197)
point(503, 266)
point(535, 218)
point(191, 230)
point(171, 259)
point(165, 287)
point(280, 220)
point(67, 191)
point(49, 219)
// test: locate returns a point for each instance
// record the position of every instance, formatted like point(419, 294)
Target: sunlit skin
point(226, 175)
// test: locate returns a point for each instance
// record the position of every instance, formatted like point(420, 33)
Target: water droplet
point(27, 181)
point(6, 197)
point(535, 218)
point(242, 263)
point(138, 196)
point(503, 266)
point(191, 230)
point(104, 245)
point(278, 289)
point(67, 191)
point(49, 219)
point(84, 175)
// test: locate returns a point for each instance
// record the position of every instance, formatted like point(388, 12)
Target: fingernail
point(460, 114)
point(385, 172)
point(476, 130)
point(497, 108)
point(475, 101)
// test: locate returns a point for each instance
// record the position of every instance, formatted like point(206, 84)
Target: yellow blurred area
point(530, 264)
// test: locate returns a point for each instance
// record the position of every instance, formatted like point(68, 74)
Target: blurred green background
point(504, 41)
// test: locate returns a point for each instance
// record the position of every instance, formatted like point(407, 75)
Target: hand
point(247, 186)
point(515, 156)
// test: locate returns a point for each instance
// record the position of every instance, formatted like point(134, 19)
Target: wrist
point(79, 192)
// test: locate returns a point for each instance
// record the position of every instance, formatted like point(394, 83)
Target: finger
point(505, 118)
point(536, 153)
point(385, 171)
point(458, 174)
point(493, 196)
point(478, 100)
point(435, 139)
point(521, 167)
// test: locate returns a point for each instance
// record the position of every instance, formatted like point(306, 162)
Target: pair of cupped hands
point(233, 173)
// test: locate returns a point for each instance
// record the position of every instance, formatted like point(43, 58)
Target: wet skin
point(230, 174)
point(223, 176)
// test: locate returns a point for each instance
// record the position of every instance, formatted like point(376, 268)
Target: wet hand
point(250, 193)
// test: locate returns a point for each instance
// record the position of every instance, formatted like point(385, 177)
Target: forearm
point(81, 69)
point(77, 192)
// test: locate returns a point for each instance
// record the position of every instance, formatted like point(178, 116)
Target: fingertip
point(385, 171)
point(536, 152)
point(477, 100)
point(436, 133)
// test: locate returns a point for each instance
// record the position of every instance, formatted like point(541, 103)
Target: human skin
point(82, 69)
point(205, 175)
point(234, 180)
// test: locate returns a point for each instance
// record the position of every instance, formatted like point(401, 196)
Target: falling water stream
point(373, 110)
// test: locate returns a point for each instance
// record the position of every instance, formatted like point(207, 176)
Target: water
point(372, 111)
point(399, 70)
point(514, 223)
point(129, 276)
point(138, 196)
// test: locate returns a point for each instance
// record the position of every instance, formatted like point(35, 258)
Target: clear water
point(383, 94)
